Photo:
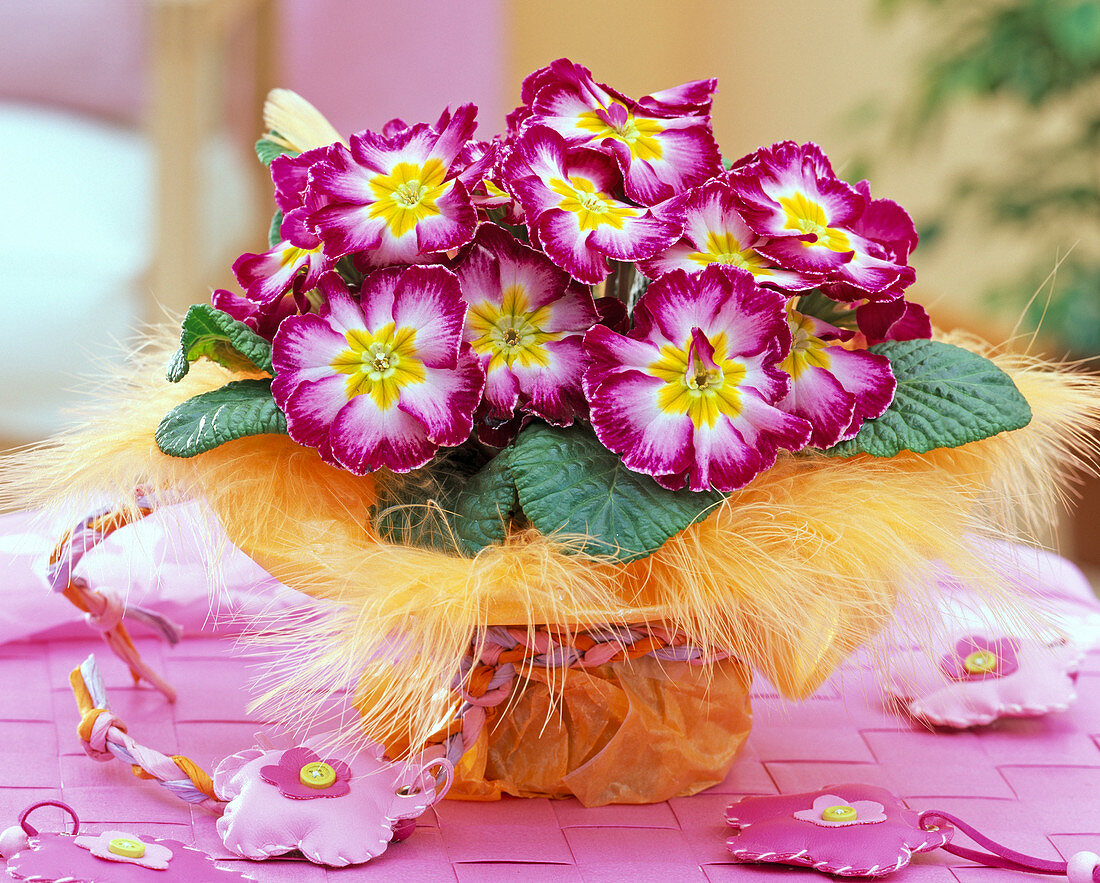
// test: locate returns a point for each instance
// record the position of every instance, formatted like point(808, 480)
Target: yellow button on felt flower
point(317, 775)
point(839, 814)
point(980, 662)
point(130, 847)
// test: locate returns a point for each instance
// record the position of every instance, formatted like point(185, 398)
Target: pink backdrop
point(363, 63)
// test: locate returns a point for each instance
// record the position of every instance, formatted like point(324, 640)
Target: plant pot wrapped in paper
point(568, 431)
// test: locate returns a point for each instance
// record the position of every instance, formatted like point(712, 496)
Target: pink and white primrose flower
point(572, 214)
point(526, 323)
point(397, 198)
point(716, 233)
point(789, 193)
point(383, 381)
point(296, 262)
point(690, 394)
point(833, 388)
point(663, 143)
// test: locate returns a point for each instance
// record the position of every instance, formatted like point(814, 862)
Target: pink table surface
point(1034, 784)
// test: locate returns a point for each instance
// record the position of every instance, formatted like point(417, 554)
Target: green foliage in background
point(1044, 55)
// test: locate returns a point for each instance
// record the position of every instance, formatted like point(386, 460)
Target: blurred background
point(130, 184)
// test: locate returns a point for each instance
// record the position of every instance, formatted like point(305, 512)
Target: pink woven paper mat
point(1032, 783)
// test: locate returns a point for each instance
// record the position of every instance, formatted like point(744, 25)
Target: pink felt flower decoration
point(848, 830)
point(259, 822)
point(982, 679)
point(397, 198)
point(830, 811)
point(383, 380)
point(662, 143)
point(689, 395)
point(54, 858)
point(977, 658)
point(570, 204)
point(124, 847)
point(526, 323)
point(301, 774)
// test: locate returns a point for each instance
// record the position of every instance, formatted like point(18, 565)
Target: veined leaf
point(486, 505)
point(202, 423)
point(947, 396)
point(568, 483)
point(209, 333)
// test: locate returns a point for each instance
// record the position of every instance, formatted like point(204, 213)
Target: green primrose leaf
point(267, 151)
point(485, 505)
point(211, 334)
point(274, 236)
point(202, 423)
point(569, 483)
point(947, 396)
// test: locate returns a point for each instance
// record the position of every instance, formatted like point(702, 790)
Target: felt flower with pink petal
point(716, 233)
point(58, 858)
point(983, 678)
point(690, 394)
point(789, 193)
point(397, 198)
point(258, 822)
point(127, 848)
point(383, 380)
point(848, 830)
point(569, 201)
point(526, 323)
point(663, 143)
point(833, 388)
point(302, 774)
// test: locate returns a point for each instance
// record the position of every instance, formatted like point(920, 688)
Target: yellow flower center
point(704, 389)
point(723, 248)
point(592, 208)
point(807, 350)
point(636, 133)
point(511, 332)
point(408, 194)
point(380, 364)
point(839, 814)
point(807, 216)
point(292, 254)
point(980, 662)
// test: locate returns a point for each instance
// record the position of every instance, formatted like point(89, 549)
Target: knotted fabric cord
point(104, 609)
point(508, 652)
point(103, 735)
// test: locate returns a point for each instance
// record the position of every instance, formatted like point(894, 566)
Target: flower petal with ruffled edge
point(384, 384)
point(396, 198)
point(789, 193)
point(715, 233)
point(663, 143)
point(267, 277)
point(526, 323)
point(688, 395)
point(833, 388)
point(571, 212)
point(775, 829)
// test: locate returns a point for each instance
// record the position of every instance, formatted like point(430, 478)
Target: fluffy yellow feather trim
point(790, 574)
